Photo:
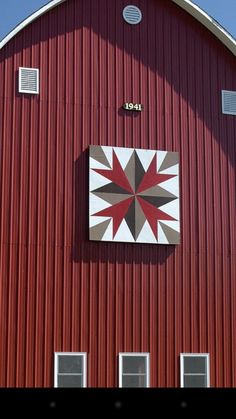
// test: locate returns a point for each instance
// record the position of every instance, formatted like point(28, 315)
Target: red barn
point(125, 276)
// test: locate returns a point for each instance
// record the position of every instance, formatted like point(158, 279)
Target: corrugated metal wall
point(60, 292)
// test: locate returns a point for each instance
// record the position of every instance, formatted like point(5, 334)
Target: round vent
point(132, 15)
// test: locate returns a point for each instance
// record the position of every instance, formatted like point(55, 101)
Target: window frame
point(56, 363)
point(191, 355)
point(133, 354)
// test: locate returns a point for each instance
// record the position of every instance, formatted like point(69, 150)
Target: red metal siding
point(60, 292)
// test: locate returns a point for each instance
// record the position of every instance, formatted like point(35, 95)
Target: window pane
point(70, 363)
point(195, 381)
point(134, 364)
point(70, 381)
point(195, 364)
point(134, 381)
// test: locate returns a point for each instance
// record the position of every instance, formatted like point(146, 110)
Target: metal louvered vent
point(132, 15)
point(29, 80)
point(229, 102)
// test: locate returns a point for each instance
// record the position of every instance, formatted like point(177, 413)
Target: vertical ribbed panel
point(60, 292)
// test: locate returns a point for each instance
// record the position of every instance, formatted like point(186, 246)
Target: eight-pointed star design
point(133, 193)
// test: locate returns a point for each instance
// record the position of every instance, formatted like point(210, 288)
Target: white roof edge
point(206, 20)
point(190, 7)
point(29, 20)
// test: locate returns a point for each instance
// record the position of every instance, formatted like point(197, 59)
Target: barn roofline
point(29, 20)
point(187, 5)
point(211, 24)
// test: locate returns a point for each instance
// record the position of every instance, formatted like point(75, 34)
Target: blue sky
point(14, 11)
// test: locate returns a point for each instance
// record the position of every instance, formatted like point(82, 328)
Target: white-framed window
point(134, 369)
point(70, 369)
point(194, 370)
point(29, 80)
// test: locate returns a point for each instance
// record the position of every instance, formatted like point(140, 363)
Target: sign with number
point(133, 106)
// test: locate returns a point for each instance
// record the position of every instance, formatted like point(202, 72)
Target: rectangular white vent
point(229, 102)
point(29, 80)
